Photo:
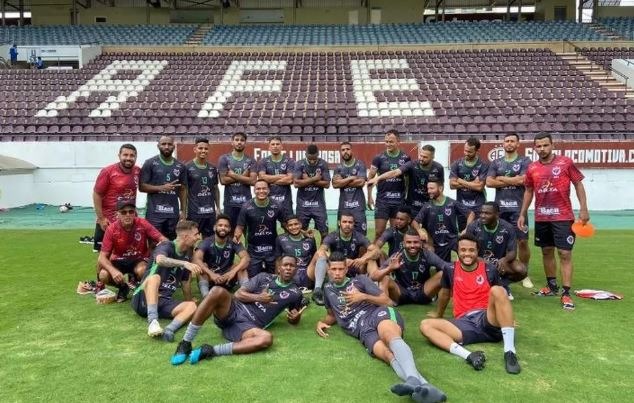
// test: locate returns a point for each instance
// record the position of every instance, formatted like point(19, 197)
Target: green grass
point(59, 346)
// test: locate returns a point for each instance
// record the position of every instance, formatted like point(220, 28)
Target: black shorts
point(165, 305)
point(511, 217)
point(320, 216)
point(286, 204)
point(476, 328)
point(164, 225)
point(462, 219)
point(233, 212)
point(205, 224)
point(98, 238)
point(444, 252)
point(126, 266)
point(413, 296)
point(259, 264)
point(554, 233)
point(368, 325)
point(236, 323)
point(384, 210)
point(301, 278)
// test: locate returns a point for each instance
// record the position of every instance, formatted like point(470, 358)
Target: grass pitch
point(59, 346)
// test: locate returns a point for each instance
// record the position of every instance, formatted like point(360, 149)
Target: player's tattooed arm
point(165, 261)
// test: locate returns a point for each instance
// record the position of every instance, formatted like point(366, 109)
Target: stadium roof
point(11, 166)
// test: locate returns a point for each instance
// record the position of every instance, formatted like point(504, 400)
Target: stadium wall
point(545, 9)
point(60, 15)
point(67, 172)
point(615, 11)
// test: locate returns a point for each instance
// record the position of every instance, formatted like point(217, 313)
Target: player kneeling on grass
point(482, 311)
point(406, 275)
point(125, 249)
point(244, 316)
point(169, 268)
point(364, 311)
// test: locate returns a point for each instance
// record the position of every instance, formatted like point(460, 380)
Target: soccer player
point(237, 173)
point(393, 235)
point(353, 245)
point(164, 179)
point(350, 177)
point(170, 268)
point(115, 182)
point(498, 244)
point(203, 196)
point(365, 312)
point(482, 312)
point(217, 254)
point(244, 316)
point(125, 249)
point(390, 192)
point(550, 178)
point(419, 172)
point(258, 217)
point(406, 276)
point(468, 176)
point(439, 219)
point(277, 171)
point(311, 177)
point(295, 243)
point(506, 175)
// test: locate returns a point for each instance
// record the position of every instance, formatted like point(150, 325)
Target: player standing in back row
point(350, 177)
point(203, 196)
point(506, 175)
point(277, 171)
point(550, 178)
point(391, 192)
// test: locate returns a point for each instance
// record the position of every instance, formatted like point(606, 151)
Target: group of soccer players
point(245, 289)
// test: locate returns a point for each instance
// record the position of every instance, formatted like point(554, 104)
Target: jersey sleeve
point(493, 169)
point(471, 228)
point(237, 247)
point(254, 285)
point(102, 182)
point(453, 170)
point(182, 176)
point(290, 165)
point(575, 174)
point(223, 164)
point(203, 245)
point(165, 249)
point(482, 174)
point(325, 172)
point(107, 244)
point(278, 247)
point(436, 261)
point(260, 165)
point(461, 209)
point(528, 178)
point(524, 166)
point(376, 162)
point(387, 235)
point(407, 167)
point(421, 216)
point(152, 233)
point(363, 240)
point(146, 172)
point(363, 171)
point(329, 240)
point(368, 285)
point(298, 170)
point(242, 217)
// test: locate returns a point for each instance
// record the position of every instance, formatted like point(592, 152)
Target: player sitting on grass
point(244, 316)
point(125, 248)
point(364, 311)
point(169, 268)
point(406, 275)
point(481, 309)
point(217, 254)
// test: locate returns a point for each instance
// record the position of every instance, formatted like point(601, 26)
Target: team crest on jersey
point(317, 171)
point(479, 280)
point(137, 236)
point(306, 246)
point(448, 211)
point(284, 294)
point(381, 314)
point(556, 171)
point(475, 172)
point(171, 279)
point(350, 288)
point(352, 247)
point(516, 167)
point(401, 161)
point(570, 239)
point(282, 166)
point(226, 254)
point(177, 172)
point(499, 239)
point(270, 213)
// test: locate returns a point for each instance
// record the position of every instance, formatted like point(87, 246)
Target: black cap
point(124, 203)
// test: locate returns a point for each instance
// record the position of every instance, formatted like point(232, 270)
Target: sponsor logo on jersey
point(164, 209)
point(548, 210)
point(508, 203)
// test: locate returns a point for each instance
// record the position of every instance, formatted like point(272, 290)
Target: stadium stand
point(97, 34)
point(604, 56)
point(349, 94)
point(449, 32)
point(624, 26)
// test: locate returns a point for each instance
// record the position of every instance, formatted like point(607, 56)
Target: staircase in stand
point(597, 73)
point(196, 38)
